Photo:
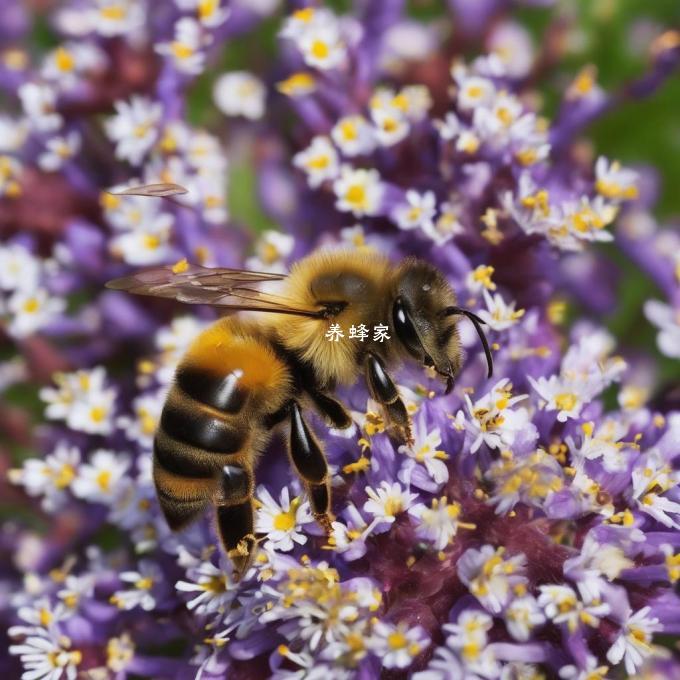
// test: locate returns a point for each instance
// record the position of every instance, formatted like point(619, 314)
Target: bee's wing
point(228, 288)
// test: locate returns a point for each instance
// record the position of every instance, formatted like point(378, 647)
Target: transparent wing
point(234, 289)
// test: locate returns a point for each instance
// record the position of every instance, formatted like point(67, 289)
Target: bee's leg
point(331, 409)
point(384, 391)
point(234, 514)
point(310, 463)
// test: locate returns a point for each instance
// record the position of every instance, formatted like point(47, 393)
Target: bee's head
point(424, 318)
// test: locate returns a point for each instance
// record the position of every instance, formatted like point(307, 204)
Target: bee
point(245, 377)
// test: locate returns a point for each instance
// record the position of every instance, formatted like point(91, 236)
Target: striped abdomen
point(211, 427)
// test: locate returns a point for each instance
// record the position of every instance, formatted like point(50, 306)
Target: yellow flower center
point(320, 49)
point(113, 12)
point(31, 305)
point(397, 640)
point(64, 59)
point(356, 195)
point(97, 413)
point(104, 480)
point(566, 401)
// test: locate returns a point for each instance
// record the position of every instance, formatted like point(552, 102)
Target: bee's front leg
point(384, 391)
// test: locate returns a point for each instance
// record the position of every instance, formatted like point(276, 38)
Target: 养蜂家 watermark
point(360, 332)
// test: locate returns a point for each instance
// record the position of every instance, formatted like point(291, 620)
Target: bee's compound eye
point(405, 329)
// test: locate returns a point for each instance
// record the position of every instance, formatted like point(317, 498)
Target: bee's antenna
point(477, 323)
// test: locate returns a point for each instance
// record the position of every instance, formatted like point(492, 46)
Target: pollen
point(180, 266)
point(181, 50)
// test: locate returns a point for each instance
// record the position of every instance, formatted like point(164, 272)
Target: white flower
point(31, 311)
point(397, 646)
point(358, 191)
point(634, 643)
point(99, 481)
point(418, 211)
point(492, 420)
point(117, 17)
point(522, 615)
point(604, 443)
point(468, 637)
point(134, 128)
point(438, 523)
point(144, 246)
point(94, 413)
point(240, 93)
point(473, 91)
point(499, 315)
point(141, 593)
point(82, 400)
point(490, 576)
point(186, 50)
point(424, 451)
point(391, 125)
point(45, 658)
point(652, 477)
point(281, 521)
point(58, 150)
point(614, 182)
point(141, 427)
point(447, 224)
point(512, 43)
point(209, 586)
point(271, 250)
point(530, 479)
point(39, 103)
point(210, 12)
point(64, 64)
point(50, 477)
point(387, 501)
point(566, 397)
point(562, 605)
point(319, 40)
point(319, 161)
point(353, 135)
point(667, 320)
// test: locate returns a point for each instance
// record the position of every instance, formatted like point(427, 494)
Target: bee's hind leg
point(234, 514)
point(310, 463)
point(384, 391)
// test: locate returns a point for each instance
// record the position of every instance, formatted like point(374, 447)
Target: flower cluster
point(530, 529)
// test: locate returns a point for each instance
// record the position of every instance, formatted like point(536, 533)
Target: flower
point(100, 480)
point(490, 576)
point(499, 315)
point(185, 50)
point(353, 135)
point(134, 128)
point(492, 421)
point(319, 161)
point(633, 643)
point(418, 211)
point(281, 521)
point(387, 501)
point(438, 523)
point(358, 191)
point(31, 311)
point(398, 645)
point(240, 93)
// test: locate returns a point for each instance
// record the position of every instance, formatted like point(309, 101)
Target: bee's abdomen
point(194, 439)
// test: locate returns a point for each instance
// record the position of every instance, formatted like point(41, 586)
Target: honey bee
point(244, 378)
